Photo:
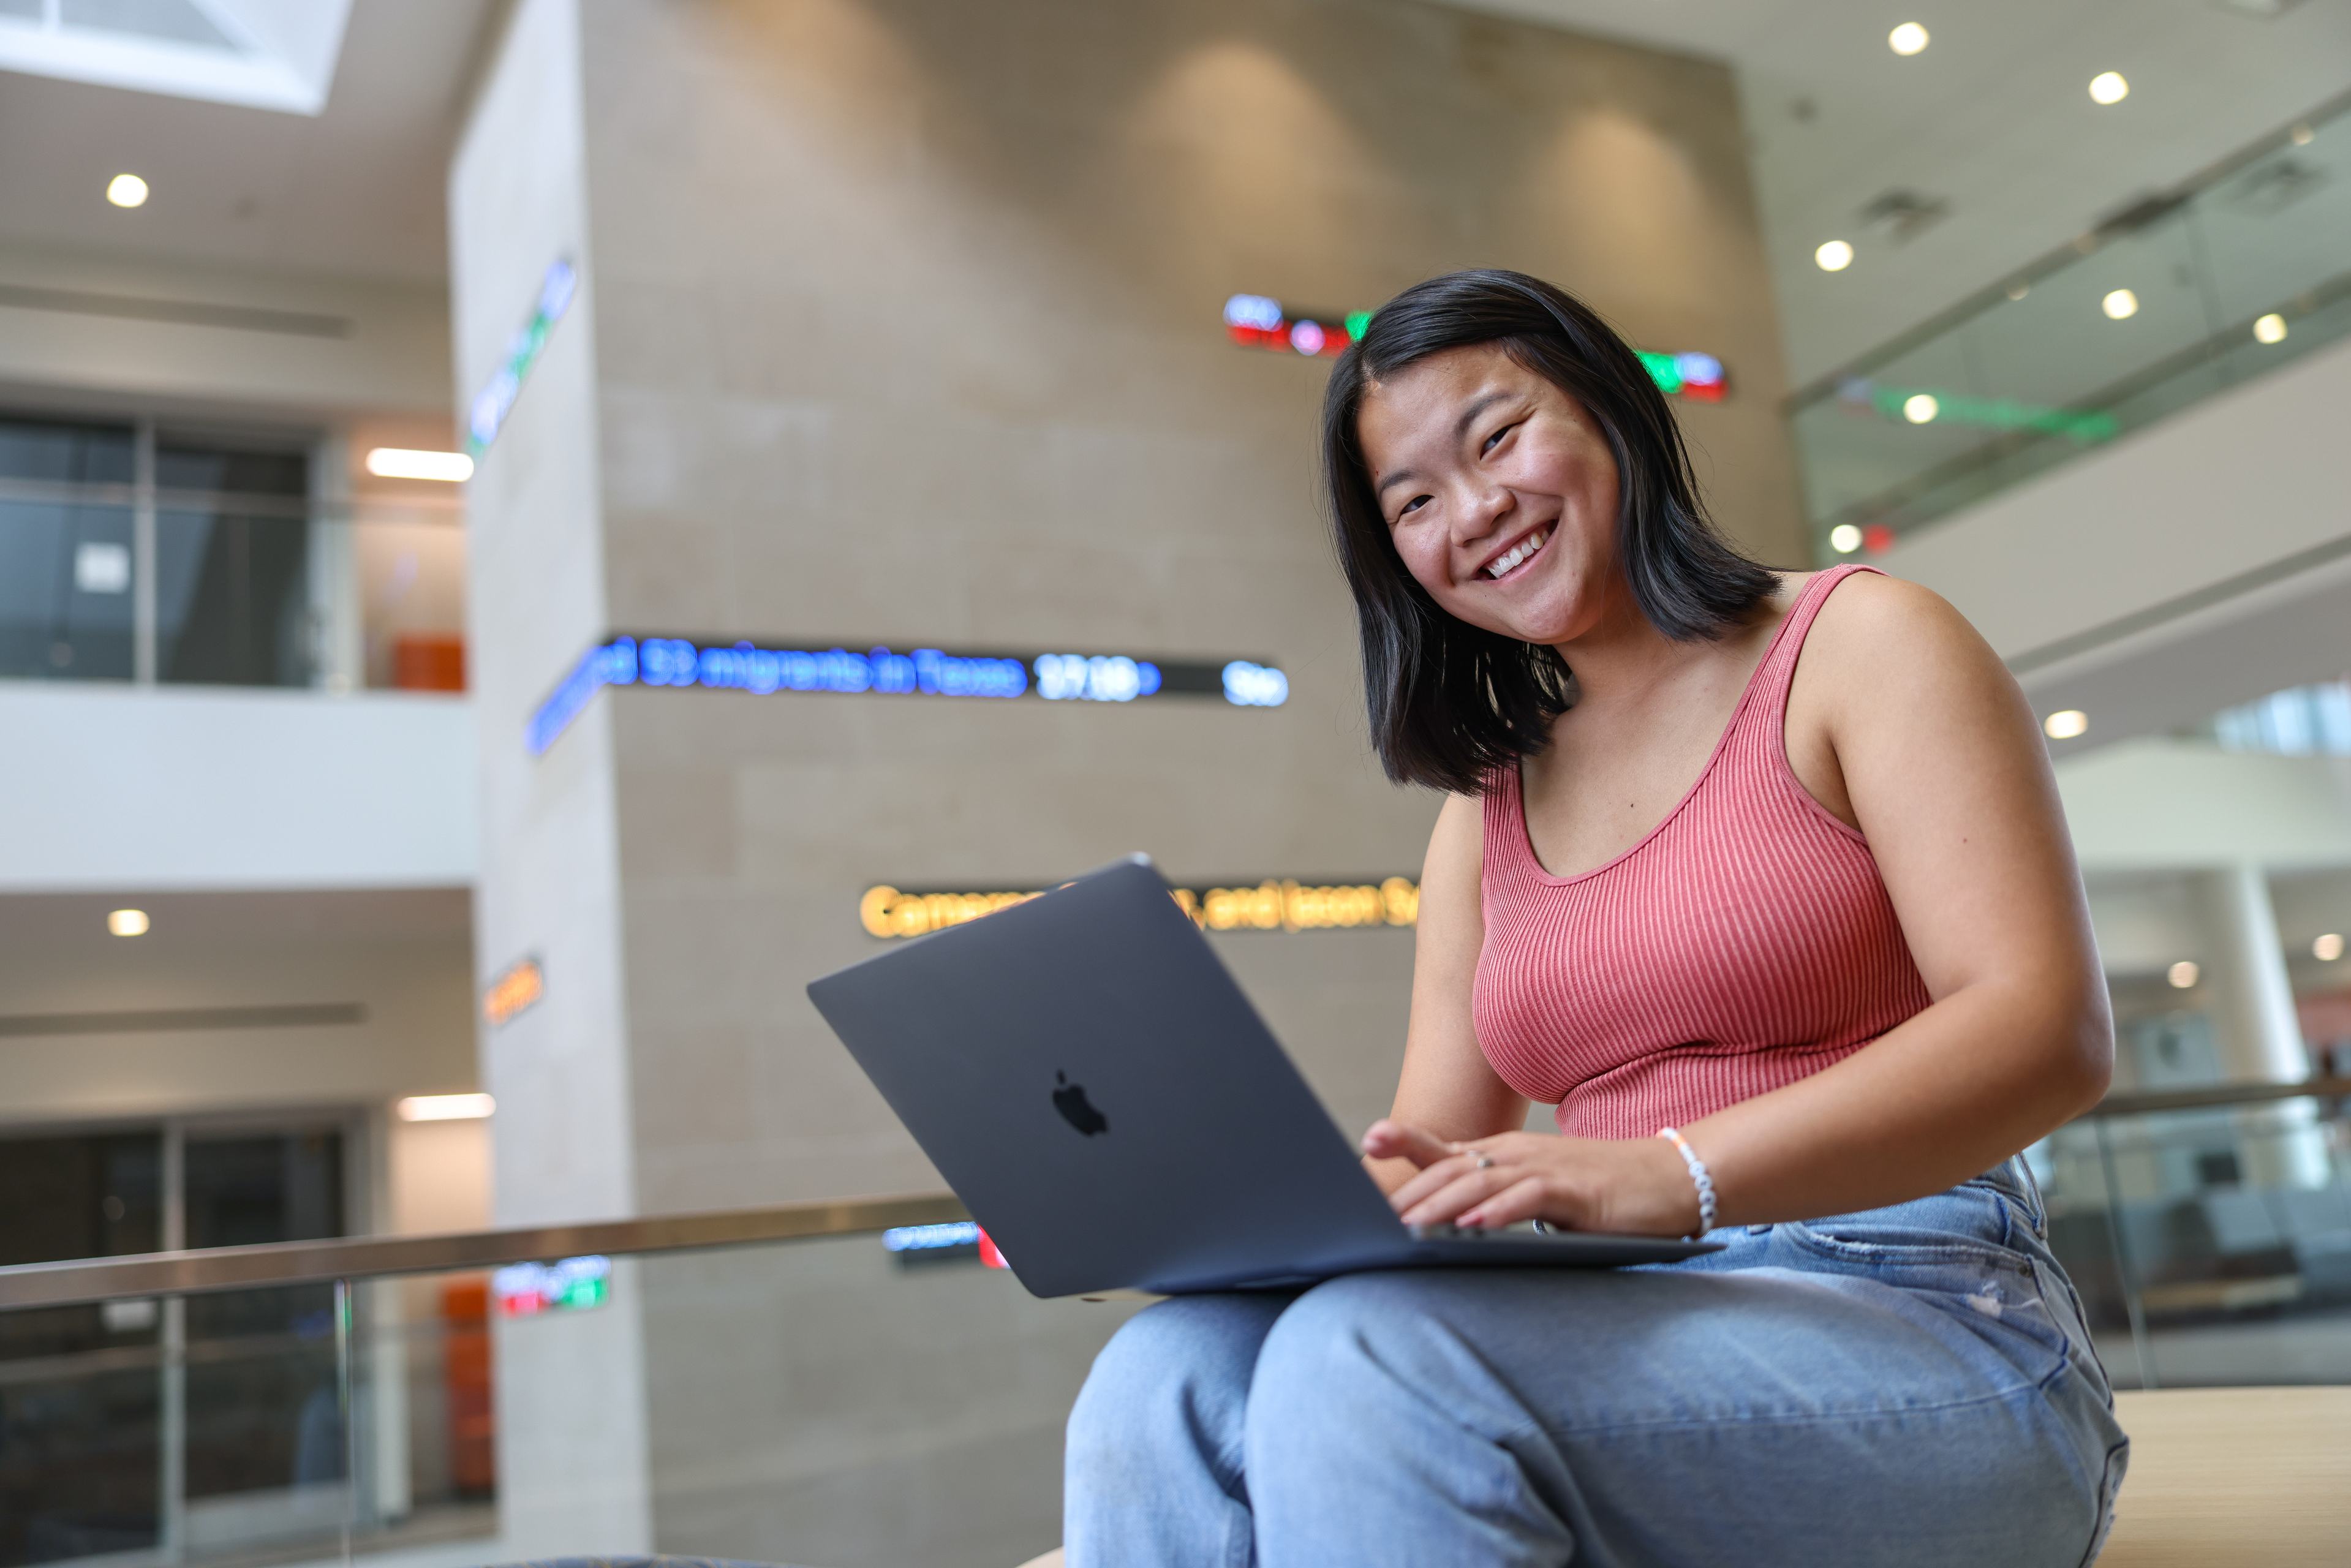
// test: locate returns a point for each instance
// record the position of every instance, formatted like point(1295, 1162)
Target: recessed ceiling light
point(2017, 290)
point(127, 922)
point(1834, 256)
point(2183, 974)
point(1908, 39)
point(1845, 538)
point(2108, 87)
point(2119, 306)
point(406, 462)
point(1920, 408)
point(2302, 135)
point(127, 191)
point(2065, 724)
point(2328, 948)
point(445, 1107)
point(2270, 329)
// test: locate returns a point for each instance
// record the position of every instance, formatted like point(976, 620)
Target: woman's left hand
point(1633, 1186)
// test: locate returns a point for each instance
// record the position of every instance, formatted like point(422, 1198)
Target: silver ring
point(1485, 1160)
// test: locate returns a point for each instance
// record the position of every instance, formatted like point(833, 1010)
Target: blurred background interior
point(480, 483)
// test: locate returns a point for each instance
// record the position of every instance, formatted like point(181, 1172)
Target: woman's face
point(1499, 490)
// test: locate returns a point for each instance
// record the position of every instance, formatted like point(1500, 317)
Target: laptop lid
point(1094, 1085)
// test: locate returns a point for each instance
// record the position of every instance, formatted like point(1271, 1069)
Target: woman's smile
point(1518, 555)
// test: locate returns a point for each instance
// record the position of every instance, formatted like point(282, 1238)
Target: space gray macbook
point(1110, 1107)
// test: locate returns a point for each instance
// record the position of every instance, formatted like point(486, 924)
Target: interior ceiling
point(356, 192)
point(1994, 119)
point(75, 922)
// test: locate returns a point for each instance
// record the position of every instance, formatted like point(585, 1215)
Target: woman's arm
point(1447, 1088)
point(1922, 735)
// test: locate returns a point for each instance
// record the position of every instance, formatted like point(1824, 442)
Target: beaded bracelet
point(1699, 1176)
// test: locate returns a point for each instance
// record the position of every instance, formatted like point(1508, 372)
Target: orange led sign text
point(1273, 904)
point(514, 991)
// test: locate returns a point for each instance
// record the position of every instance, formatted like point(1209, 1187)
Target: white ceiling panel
point(1993, 120)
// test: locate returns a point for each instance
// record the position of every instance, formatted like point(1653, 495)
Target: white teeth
point(1526, 548)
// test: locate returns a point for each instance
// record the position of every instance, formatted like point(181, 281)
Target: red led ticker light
point(1254, 321)
point(1257, 321)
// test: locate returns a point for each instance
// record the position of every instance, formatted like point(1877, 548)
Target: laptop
point(1096, 1089)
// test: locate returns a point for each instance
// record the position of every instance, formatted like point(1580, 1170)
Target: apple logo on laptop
point(1070, 1101)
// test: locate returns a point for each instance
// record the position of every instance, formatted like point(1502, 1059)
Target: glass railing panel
point(247, 591)
point(234, 598)
point(408, 587)
point(66, 591)
point(2260, 224)
point(2211, 1246)
point(830, 1400)
point(836, 1403)
point(81, 1432)
point(2240, 271)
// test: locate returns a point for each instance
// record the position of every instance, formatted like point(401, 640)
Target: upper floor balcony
point(236, 657)
point(2235, 272)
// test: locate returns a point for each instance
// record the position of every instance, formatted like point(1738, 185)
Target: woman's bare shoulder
point(1880, 640)
point(1872, 616)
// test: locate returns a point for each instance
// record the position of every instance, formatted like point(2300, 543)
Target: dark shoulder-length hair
point(1450, 702)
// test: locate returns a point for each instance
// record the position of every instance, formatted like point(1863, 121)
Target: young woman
point(1761, 880)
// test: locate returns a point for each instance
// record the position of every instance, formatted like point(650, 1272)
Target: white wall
point(403, 957)
point(2058, 572)
point(115, 787)
point(2161, 804)
point(394, 356)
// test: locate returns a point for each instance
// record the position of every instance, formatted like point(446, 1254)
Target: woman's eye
point(1496, 439)
point(1416, 504)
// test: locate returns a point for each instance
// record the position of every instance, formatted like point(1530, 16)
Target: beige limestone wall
point(907, 320)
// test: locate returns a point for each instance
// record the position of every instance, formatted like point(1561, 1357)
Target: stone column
point(2260, 1035)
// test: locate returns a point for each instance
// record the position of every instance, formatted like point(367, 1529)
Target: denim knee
point(1332, 1355)
point(1170, 1388)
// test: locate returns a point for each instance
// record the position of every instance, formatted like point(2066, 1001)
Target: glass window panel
point(80, 1401)
point(232, 588)
point(263, 1397)
point(65, 585)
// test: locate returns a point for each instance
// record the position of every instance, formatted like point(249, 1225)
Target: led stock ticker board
point(676, 662)
point(1283, 904)
point(1258, 321)
point(492, 404)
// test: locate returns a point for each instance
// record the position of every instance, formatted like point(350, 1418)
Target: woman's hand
point(1637, 1186)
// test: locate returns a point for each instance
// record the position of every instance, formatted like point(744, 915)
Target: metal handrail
point(122, 494)
point(205, 1270)
point(2214, 1096)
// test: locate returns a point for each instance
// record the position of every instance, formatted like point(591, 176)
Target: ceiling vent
point(2275, 186)
point(262, 54)
point(2268, 10)
point(1901, 214)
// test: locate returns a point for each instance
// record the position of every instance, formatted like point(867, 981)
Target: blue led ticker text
point(744, 666)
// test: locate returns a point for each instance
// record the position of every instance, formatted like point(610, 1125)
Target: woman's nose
point(1481, 513)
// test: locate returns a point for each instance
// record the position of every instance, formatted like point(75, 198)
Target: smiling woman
point(1458, 682)
point(1760, 879)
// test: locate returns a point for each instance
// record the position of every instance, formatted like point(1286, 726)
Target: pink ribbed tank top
point(1747, 942)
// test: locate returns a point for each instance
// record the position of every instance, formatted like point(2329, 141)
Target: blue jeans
point(1913, 1386)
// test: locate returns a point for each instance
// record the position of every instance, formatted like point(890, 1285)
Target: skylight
point(263, 54)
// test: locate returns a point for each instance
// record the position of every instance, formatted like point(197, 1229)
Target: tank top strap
point(1505, 833)
point(1778, 673)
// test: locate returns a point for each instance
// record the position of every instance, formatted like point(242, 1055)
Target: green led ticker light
point(1260, 321)
point(1905, 404)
